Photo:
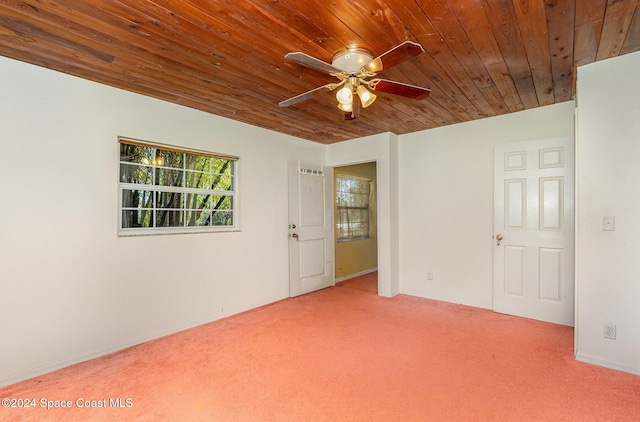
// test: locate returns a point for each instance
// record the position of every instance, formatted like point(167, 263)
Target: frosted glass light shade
point(344, 95)
point(366, 98)
point(346, 107)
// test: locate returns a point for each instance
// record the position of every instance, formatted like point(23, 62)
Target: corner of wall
point(607, 268)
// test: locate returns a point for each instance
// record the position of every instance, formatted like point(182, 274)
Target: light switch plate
point(608, 223)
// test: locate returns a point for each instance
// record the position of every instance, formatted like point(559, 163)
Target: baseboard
point(60, 364)
point(347, 277)
point(581, 357)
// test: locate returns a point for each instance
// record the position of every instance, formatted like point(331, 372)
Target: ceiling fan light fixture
point(346, 107)
point(366, 97)
point(345, 95)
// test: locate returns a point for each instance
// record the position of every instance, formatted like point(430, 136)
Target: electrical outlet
point(609, 331)
point(608, 223)
point(429, 276)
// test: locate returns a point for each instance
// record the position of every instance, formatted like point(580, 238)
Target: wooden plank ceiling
point(482, 57)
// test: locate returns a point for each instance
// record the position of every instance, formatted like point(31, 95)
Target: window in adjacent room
point(353, 196)
point(165, 189)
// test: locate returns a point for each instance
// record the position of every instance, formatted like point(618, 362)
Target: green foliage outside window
point(169, 188)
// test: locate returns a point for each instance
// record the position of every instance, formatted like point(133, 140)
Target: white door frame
point(384, 150)
point(334, 167)
point(378, 245)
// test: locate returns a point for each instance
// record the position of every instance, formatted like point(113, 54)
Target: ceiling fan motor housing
point(352, 60)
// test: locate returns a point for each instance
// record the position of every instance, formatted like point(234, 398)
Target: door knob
point(499, 238)
point(294, 235)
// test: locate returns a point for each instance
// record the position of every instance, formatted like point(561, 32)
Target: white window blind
point(353, 197)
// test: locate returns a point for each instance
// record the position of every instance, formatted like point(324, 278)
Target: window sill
point(170, 230)
point(357, 239)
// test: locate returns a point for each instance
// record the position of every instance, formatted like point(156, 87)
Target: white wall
point(608, 127)
point(70, 288)
point(382, 149)
point(446, 201)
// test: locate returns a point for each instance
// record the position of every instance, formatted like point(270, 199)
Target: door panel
point(514, 270)
point(516, 197)
point(310, 228)
point(551, 203)
point(311, 200)
point(551, 274)
point(533, 211)
point(312, 258)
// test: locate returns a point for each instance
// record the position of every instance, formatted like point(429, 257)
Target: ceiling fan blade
point(396, 55)
point(312, 62)
point(309, 94)
point(398, 88)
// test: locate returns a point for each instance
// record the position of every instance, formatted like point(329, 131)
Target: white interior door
point(534, 217)
point(310, 228)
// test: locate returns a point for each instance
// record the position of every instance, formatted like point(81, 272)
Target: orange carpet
point(341, 354)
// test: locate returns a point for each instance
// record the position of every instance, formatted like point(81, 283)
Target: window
point(169, 190)
point(353, 196)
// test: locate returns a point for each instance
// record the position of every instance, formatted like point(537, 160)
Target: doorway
point(355, 217)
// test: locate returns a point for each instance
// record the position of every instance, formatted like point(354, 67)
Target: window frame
point(153, 188)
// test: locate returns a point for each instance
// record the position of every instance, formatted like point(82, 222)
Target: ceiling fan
point(353, 67)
